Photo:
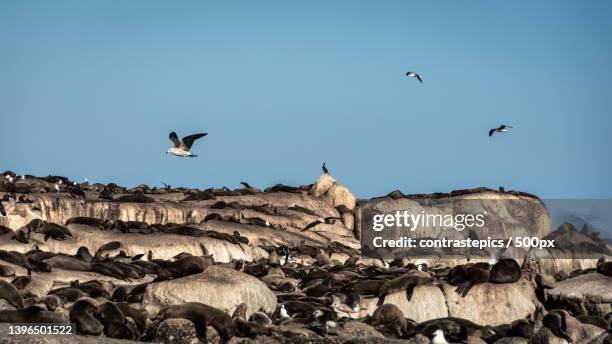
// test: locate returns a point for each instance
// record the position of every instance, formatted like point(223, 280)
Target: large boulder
point(492, 304)
point(504, 216)
point(335, 193)
point(218, 287)
point(582, 295)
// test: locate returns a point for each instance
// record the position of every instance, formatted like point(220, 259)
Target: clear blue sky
point(92, 88)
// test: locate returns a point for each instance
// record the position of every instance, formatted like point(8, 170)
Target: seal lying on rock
point(555, 321)
point(202, 316)
point(10, 293)
point(405, 282)
point(475, 274)
point(182, 267)
point(82, 314)
point(505, 271)
point(604, 267)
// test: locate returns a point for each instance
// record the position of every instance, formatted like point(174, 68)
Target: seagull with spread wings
point(414, 75)
point(182, 147)
point(501, 129)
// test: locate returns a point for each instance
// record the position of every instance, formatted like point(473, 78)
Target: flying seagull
point(183, 148)
point(325, 170)
point(414, 75)
point(501, 129)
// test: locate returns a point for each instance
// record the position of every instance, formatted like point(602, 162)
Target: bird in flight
point(414, 75)
point(182, 148)
point(501, 129)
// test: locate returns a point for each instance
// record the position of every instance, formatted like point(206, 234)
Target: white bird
point(183, 148)
point(414, 75)
point(283, 312)
point(9, 178)
point(438, 337)
point(57, 188)
point(501, 129)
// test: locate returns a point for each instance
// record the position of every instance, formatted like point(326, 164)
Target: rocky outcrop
point(588, 294)
point(218, 287)
point(334, 193)
point(507, 215)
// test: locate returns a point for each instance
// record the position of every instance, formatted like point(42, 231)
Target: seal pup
point(405, 282)
point(202, 316)
point(182, 148)
point(390, 316)
point(10, 293)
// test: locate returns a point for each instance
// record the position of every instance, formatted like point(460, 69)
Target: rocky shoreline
point(277, 265)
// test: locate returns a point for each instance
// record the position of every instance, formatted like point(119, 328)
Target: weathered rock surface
point(336, 194)
point(493, 304)
point(584, 294)
point(428, 302)
point(218, 287)
point(508, 215)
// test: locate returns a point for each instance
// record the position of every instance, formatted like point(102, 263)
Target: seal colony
point(324, 290)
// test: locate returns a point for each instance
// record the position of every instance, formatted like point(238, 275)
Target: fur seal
point(405, 282)
point(53, 301)
point(82, 314)
point(202, 316)
point(68, 263)
point(183, 267)
point(135, 198)
point(54, 231)
point(260, 318)
point(30, 315)
point(84, 220)
point(21, 282)
point(15, 258)
point(128, 311)
point(604, 267)
point(84, 255)
point(390, 316)
point(119, 330)
point(555, 321)
point(595, 321)
point(505, 271)
point(11, 294)
point(477, 273)
point(6, 271)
